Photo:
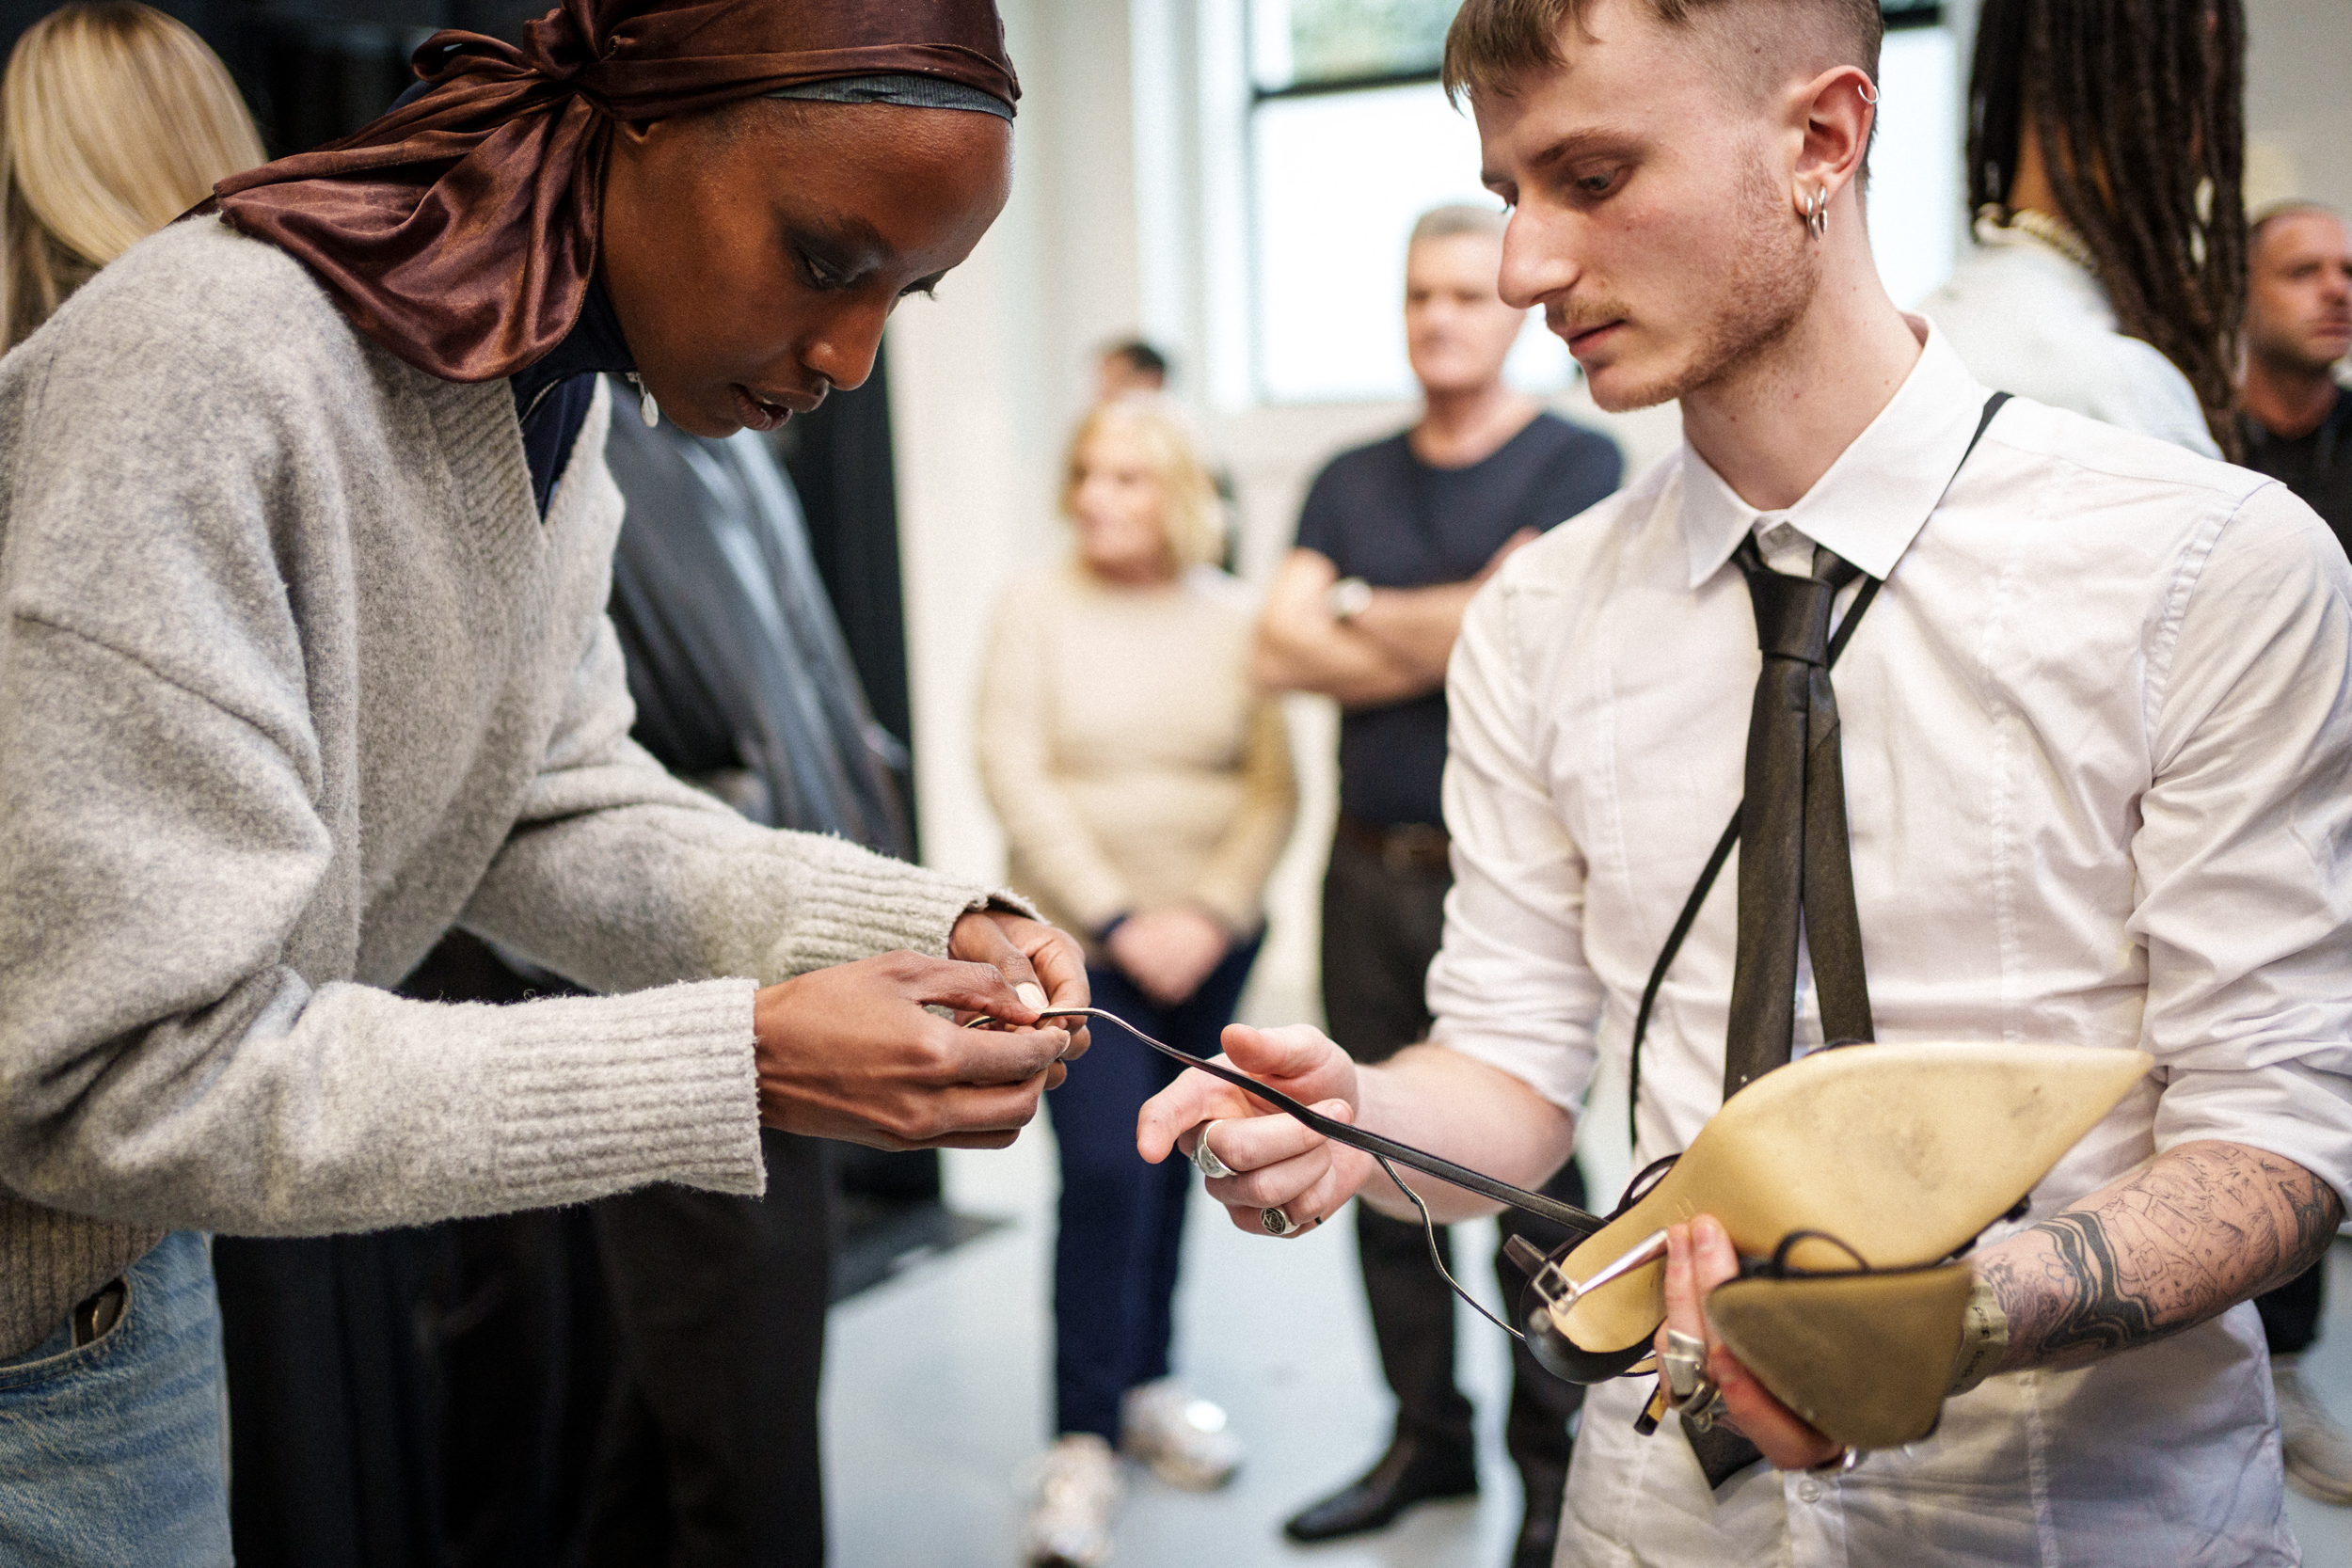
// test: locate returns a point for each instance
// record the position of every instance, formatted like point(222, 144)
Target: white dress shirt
point(2029, 318)
point(2097, 729)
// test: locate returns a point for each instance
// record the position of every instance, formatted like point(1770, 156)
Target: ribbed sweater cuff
point(856, 906)
point(609, 1093)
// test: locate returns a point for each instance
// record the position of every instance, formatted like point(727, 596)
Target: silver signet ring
point(1684, 1364)
point(1205, 1157)
point(1276, 1222)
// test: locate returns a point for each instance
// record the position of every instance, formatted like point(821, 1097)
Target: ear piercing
point(1816, 205)
point(647, 409)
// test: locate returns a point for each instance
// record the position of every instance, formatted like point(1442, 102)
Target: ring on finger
point(1205, 1157)
point(1684, 1364)
point(1276, 1222)
point(1702, 1409)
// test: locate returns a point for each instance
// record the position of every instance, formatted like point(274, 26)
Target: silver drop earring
point(1817, 212)
point(647, 409)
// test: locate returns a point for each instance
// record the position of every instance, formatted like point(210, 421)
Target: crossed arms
point(1396, 648)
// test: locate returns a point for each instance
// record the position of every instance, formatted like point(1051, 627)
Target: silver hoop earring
point(1869, 93)
point(1817, 212)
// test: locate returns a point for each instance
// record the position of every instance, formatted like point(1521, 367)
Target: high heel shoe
point(1904, 1153)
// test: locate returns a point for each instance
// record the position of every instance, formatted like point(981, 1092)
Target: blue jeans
point(1123, 1220)
point(111, 1453)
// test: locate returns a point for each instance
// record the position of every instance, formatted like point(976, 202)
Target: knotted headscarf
point(459, 231)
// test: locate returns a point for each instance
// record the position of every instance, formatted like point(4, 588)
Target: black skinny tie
point(1796, 870)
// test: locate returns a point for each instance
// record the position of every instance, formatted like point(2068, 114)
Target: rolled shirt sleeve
point(1511, 986)
point(2243, 847)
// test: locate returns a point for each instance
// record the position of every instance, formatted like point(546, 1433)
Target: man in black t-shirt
point(1394, 539)
point(2298, 423)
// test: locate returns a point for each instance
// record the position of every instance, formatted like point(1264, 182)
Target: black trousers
point(1381, 928)
point(709, 1452)
point(2290, 1312)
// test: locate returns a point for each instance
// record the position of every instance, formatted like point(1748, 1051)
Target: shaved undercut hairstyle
point(2139, 108)
point(1493, 43)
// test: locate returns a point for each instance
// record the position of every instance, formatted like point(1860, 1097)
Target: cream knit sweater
point(1131, 762)
point(292, 676)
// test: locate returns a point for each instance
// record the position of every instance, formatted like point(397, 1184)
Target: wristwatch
point(1347, 598)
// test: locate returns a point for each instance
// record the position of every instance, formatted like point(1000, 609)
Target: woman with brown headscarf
point(305, 541)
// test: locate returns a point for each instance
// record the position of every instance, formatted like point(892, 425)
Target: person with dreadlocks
point(306, 542)
point(2106, 141)
point(2075, 783)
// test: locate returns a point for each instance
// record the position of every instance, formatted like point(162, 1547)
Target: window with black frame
point(1350, 137)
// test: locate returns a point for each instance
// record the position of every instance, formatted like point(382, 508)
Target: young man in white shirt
point(2095, 728)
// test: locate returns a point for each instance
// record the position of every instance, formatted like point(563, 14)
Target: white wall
point(2298, 102)
point(986, 380)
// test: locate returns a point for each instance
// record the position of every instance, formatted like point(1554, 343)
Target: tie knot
point(1792, 614)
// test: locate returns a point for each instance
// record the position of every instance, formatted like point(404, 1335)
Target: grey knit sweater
point(293, 677)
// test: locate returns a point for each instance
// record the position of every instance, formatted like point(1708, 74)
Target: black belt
point(1400, 846)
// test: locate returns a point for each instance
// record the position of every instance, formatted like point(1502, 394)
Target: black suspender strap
point(1715, 862)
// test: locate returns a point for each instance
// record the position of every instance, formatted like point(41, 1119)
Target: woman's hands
point(1276, 1163)
point(1028, 953)
point(1168, 952)
point(1699, 1257)
point(851, 1051)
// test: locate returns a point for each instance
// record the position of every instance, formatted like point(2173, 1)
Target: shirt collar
point(1877, 496)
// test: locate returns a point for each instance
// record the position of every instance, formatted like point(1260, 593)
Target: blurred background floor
point(938, 1396)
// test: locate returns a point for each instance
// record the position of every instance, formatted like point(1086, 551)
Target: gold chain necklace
point(2056, 232)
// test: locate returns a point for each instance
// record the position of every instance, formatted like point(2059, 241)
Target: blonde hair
point(1190, 516)
point(114, 121)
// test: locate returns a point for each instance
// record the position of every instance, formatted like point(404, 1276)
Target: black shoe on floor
point(1410, 1472)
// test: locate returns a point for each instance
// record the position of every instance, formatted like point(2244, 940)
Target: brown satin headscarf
point(460, 231)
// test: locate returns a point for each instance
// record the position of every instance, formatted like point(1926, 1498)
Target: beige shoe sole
point(1903, 1152)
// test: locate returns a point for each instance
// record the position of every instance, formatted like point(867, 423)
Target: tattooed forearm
point(2201, 1228)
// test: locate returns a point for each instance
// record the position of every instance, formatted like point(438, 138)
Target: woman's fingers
point(1041, 965)
point(978, 938)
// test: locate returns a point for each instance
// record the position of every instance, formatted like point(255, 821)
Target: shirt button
point(1808, 1490)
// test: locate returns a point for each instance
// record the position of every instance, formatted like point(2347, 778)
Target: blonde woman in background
point(114, 121)
point(1145, 790)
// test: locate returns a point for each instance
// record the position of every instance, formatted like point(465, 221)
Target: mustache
point(1565, 320)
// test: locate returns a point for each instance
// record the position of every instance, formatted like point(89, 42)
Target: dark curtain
point(840, 461)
